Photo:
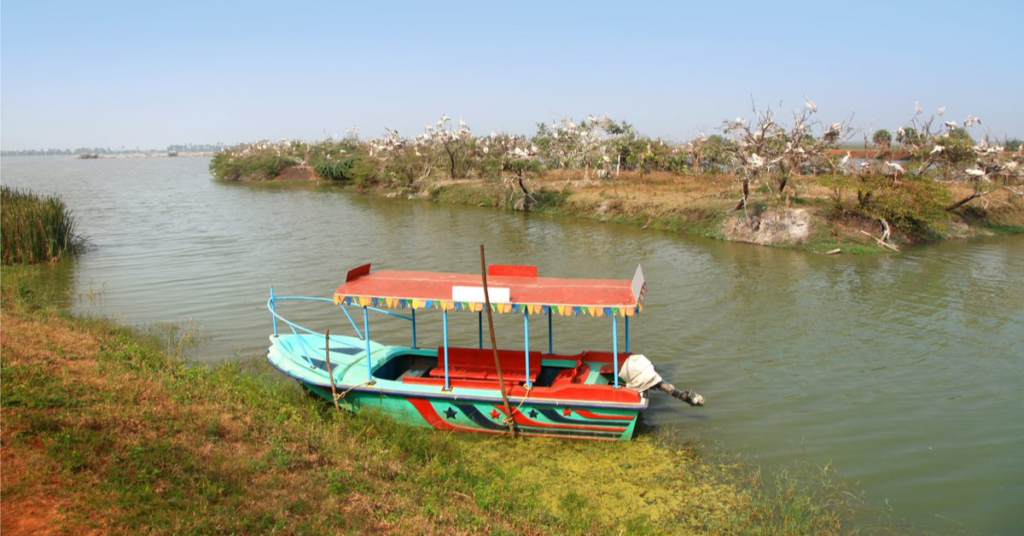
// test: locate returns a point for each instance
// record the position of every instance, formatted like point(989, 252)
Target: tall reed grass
point(35, 228)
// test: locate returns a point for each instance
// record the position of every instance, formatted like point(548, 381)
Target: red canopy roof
point(511, 288)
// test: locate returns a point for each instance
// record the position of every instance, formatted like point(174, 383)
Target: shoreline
point(104, 156)
point(704, 206)
point(129, 437)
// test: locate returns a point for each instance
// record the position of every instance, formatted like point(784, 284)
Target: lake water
point(904, 373)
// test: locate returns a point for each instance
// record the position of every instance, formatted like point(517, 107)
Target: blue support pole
point(615, 349)
point(480, 323)
point(627, 334)
point(551, 340)
point(444, 322)
point(526, 329)
point(413, 328)
point(366, 331)
point(273, 309)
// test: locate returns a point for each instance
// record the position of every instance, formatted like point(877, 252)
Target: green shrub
point(882, 139)
point(912, 205)
point(35, 229)
point(259, 167)
point(549, 199)
point(334, 170)
point(364, 173)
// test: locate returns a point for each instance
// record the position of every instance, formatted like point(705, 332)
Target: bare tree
point(766, 151)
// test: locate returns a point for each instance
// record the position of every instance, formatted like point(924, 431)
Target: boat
point(526, 391)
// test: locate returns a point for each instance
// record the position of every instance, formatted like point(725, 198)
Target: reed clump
point(36, 228)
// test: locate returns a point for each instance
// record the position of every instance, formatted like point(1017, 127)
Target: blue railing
point(363, 335)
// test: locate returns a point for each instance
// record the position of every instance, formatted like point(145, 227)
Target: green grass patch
point(479, 194)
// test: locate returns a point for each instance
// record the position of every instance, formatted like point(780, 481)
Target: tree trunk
point(526, 194)
point(746, 191)
point(963, 202)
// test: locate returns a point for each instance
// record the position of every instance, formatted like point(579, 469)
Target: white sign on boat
point(476, 294)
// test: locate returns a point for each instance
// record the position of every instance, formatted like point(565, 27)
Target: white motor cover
point(638, 373)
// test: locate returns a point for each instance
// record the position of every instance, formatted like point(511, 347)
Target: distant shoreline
point(151, 154)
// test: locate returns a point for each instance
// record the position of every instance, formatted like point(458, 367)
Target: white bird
point(971, 120)
point(937, 149)
point(897, 169)
point(917, 108)
point(976, 173)
point(462, 124)
point(846, 158)
point(942, 110)
point(810, 104)
point(951, 125)
point(833, 132)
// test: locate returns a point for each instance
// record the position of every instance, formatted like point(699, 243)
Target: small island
point(803, 184)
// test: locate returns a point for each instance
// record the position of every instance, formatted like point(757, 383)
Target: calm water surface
point(904, 373)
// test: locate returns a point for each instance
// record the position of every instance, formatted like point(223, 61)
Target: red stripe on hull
point(591, 415)
point(428, 413)
point(526, 421)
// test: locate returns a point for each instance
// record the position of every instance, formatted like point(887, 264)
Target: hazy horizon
point(118, 74)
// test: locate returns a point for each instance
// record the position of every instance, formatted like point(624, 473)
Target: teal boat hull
point(587, 406)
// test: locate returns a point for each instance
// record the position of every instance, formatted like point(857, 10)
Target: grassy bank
point(104, 432)
point(825, 213)
point(35, 228)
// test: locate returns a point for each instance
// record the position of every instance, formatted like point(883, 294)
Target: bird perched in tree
point(810, 104)
point(976, 173)
point(833, 131)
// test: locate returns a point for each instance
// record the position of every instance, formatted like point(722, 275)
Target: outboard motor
point(639, 374)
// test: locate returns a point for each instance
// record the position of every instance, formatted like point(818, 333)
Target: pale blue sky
point(112, 74)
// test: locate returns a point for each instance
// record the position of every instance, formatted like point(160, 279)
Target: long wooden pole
point(330, 369)
point(494, 344)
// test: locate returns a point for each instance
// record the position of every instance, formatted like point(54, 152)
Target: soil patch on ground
point(297, 173)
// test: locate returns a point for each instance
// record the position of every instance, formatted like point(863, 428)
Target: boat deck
point(582, 378)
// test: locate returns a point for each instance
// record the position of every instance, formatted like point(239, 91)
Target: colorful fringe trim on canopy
point(499, 308)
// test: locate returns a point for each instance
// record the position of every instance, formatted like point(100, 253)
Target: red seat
point(478, 364)
point(576, 374)
point(456, 382)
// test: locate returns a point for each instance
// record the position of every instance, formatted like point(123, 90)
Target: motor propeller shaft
point(687, 396)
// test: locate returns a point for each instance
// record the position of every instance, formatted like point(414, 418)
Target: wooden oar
point(494, 344)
